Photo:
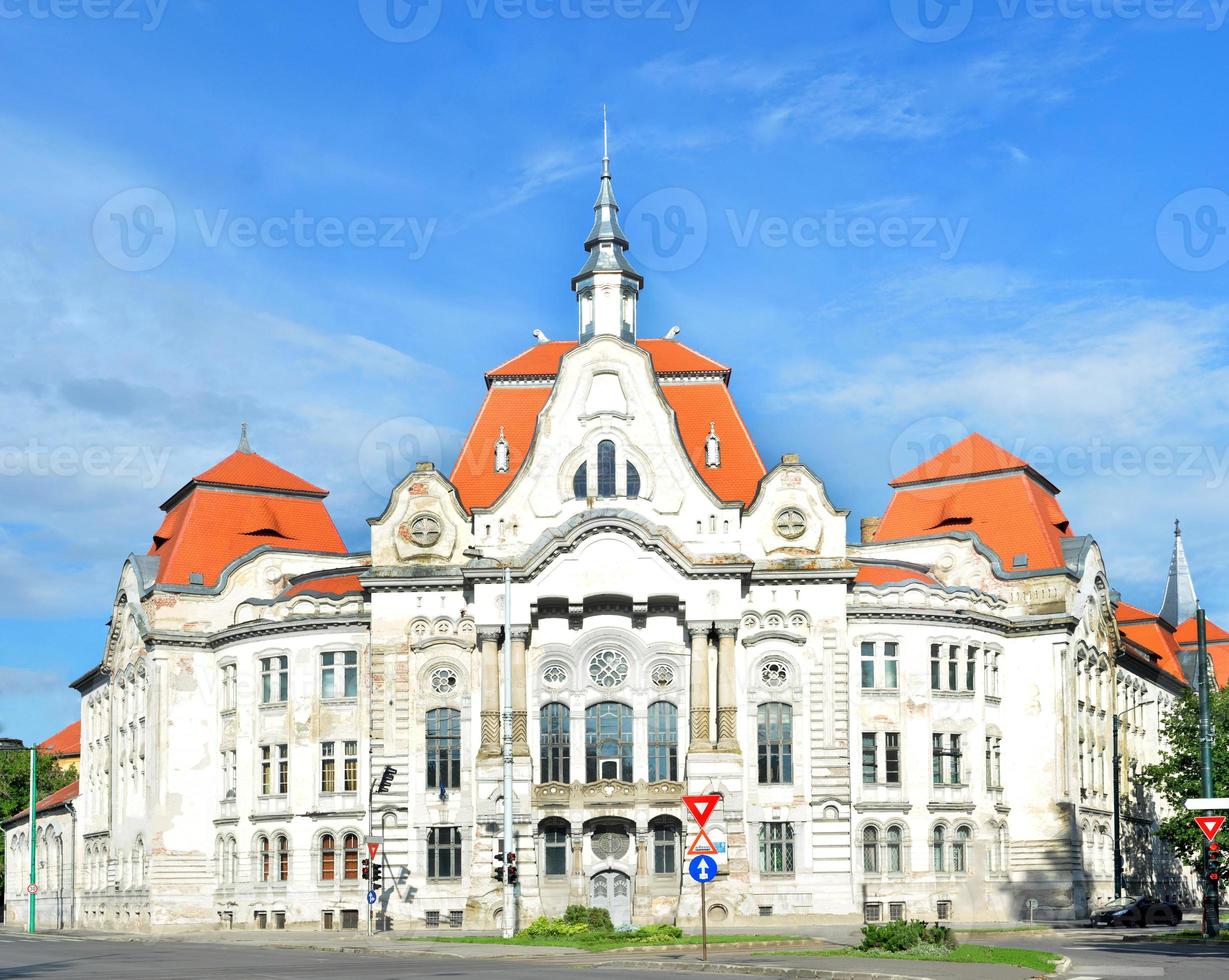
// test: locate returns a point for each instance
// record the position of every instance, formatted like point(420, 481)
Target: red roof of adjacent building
point(979, 487)
point(890, 575)
point(337, 585)
point(1152, 634)
point(67, 741)
point(240, 504)
point(62, 795)
point(1188, 633)
point(515, 409)
point(1127, 613)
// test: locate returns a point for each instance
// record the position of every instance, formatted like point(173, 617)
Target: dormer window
point(502, 453)
point(712, 448)
point(607, 485)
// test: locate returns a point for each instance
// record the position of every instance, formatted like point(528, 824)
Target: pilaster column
point(488, 640)
point(520, 721)
point(727, 708)
point(701, 722)
point(576, 890)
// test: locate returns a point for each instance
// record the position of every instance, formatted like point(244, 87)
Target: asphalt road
point(1101, 955)
point(85, 958)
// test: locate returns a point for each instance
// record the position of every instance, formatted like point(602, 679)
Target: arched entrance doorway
point(612, 891)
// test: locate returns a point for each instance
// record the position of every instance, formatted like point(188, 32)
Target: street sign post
point(371, 897)
point(374, 843)
point(1215, 803)
point(703, 869)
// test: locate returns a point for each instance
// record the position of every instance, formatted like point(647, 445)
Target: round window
point(425, 530)
point(555, 675)
point(791, 523)
point(443, 680)
point(774, 674)
point(663, 675)
point(608, 668)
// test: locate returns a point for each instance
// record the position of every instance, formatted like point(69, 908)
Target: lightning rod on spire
point(605, 143)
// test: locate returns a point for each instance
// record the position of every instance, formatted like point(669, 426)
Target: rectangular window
point(891, 758)
point(870, 752)
point(774, 725)
point(935, 667)
point(776, 848)
point(868, 665)
point(953, 668)
point(433, 919)
point(994, 762)
point(328, 768)
point(945, 760)
point(443, 749)
point(444, 852)
point(896, 911)
point(955, 758)
point(229, 685)
point(970, 669)
point(339, 675)
point(872, 911)
point(230, 774)
point(274, 680)
point(943, 911)
point(350, 773)
point(266, 770)
point(665, 850)
point(555, 851)
point(890, 662)
point(349, 918)
point(936, 759)
point(556, 745)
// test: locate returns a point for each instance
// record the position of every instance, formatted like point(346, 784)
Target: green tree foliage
point(15, 782)
point(1178, 777)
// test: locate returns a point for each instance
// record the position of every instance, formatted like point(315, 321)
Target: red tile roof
point(974, 455)
point(1127, 613)
point(1188, 633)
point(62, 795)
point(1012, 514)
point(878, 575)
point(669, 357)
point(67, 741)
point(337, 585)
point(217, 517)
point(696, 406)
point(1153, 635)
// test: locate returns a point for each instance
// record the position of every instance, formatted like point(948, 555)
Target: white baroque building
point(913, 722)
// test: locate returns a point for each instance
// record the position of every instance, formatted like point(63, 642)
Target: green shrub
point(938, 935)
point(897, 937)
point(657, 934)
point(544, 928)
point(596, 919)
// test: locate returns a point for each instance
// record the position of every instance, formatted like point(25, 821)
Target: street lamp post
point(1117, 804)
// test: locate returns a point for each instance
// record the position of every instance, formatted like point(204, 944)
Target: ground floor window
point(555, 853)
point(665, 849)
point(776, 848)
point(444, 852)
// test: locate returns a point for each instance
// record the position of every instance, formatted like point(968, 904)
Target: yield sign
point(373, 848)
point(702, 807)
point(702, 845)
point(1210, 826)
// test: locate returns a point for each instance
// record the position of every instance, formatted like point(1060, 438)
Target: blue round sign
point(371, 897)
point(702, 869)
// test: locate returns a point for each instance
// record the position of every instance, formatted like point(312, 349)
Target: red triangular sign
point(1210, 826)
point(702, 845)
point(702, 807)
point(373, 849)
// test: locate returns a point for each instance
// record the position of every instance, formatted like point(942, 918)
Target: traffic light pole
point(30, 927)
point(1211, 889)
point(509, 911)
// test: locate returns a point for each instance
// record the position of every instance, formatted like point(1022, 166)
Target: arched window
point(443, 748)
point(580, 482)
point(665, 846)
point(555, 721)
point(265, 872)
point(555, 846)
point(633, 481)
point(349, 845)
point(893, 848)
point(328, 857)
point(870, 850)
point(608, 742)
point(605, 468)
point(663, 741)
point(232, 859)
point(283, 858)
point(960, 850)
point(938, 847)
point(774, 728)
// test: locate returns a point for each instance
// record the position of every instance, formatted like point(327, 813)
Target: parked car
point(1142, 911)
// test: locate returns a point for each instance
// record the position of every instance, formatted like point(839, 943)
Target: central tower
point(608, 285)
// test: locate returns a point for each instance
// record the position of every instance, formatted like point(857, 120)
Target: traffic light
point(1212, 863)
point(513, 874)
point(386, 779)
point(366, 870)
point(498, 873)
point(377, 874)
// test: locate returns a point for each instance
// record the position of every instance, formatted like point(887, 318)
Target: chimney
point(870, 525)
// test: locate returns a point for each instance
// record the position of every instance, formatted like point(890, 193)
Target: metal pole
point(509, 916)
point(33, 839)
point(703, 924)
point(1211, 890)
point(1117, 816)
point(371, 795)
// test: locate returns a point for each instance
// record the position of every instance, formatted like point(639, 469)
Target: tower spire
point(608, 285)
point(1180, 602)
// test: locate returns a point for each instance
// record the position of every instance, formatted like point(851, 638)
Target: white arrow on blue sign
point(702, 869)
point(371, 897)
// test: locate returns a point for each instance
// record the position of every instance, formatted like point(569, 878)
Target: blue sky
point(897, 223)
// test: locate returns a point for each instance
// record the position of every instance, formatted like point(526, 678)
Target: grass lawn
point(1029, 959)
point(599, 943)
point(1191, 934)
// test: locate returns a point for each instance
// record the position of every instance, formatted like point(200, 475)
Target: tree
point(1178, 776)
point(15, 783)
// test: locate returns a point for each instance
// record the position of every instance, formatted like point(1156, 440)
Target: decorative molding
point(764, 636)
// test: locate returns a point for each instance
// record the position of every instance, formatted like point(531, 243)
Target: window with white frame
point(881, 758)
point(880, 665)
point(339, 675)
point(230, 685)
point(274, 680)
point(555, 745)
point(555, 852)
point(444, 852)
point(953, 667)
point(775, 743)
point(230, 774)
point(870, 850)
point(274, 770)
point(776, 845)
point(665, 848)
point(946, 759)
point(990, 668)
point(894, 849)
point(663, 741)
point(994, 762)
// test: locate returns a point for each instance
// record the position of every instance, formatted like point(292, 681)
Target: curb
point(733, 947)
point(802, 973)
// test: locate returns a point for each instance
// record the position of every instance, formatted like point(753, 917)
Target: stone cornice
point(252, 630)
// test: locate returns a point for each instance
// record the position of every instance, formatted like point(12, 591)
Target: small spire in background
point(1180, 601)
point(244, 445)
point(605, 144)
